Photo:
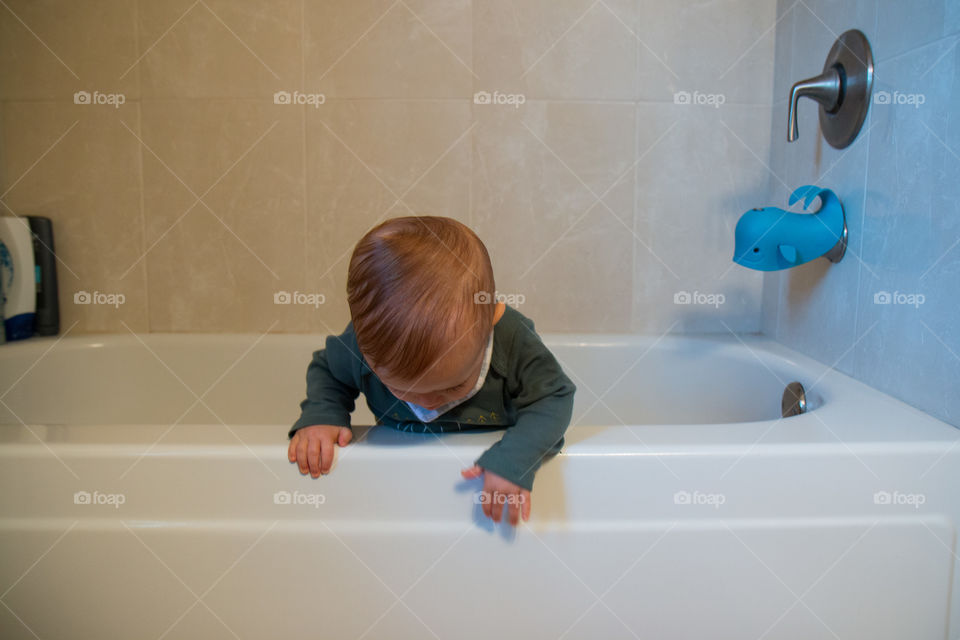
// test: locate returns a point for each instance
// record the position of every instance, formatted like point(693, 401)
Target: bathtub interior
point(157, 379)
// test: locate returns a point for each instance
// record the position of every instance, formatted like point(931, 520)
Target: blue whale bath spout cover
point(770, 239)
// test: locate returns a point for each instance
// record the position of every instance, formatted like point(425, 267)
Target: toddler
point(433, 352)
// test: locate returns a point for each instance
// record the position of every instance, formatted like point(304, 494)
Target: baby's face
point(451, 378)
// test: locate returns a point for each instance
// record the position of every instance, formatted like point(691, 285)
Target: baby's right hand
point(312, 447)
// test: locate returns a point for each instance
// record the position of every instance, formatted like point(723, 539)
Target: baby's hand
point(312, 447)
point(498, 491)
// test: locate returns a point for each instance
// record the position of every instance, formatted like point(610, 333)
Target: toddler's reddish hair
point(415, 286)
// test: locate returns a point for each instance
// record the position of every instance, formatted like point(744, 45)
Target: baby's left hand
point(497, 492)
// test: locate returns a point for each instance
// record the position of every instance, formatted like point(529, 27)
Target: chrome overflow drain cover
point(794, 401)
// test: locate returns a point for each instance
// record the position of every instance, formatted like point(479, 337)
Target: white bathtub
point(681, 506)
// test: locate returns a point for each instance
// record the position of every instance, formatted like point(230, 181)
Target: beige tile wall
point(200, 197)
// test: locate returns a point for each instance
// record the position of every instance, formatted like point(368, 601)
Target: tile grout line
point(472, 111)
point(305, 207)
point(778, 333)
point(854, 368)
point(140, 167)
point(632, 319)
point(782, 276)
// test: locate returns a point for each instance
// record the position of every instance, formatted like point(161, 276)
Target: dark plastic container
point(47, 318)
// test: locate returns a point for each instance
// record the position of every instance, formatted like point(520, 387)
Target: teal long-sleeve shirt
point(525, 391)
